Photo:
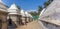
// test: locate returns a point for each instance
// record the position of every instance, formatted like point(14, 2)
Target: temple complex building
point(50, 16)
point(27, 16)
point(14, 14)
point(22, 13)
point(3, 15)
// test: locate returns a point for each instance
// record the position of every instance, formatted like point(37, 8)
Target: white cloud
point(31, 10)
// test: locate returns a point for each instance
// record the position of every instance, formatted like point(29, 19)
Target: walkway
point(31, 25)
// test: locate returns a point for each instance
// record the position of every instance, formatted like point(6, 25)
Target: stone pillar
point(4, 25)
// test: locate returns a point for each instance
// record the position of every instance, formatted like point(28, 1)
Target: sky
point(27, 5)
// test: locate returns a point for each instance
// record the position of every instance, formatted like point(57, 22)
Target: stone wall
point(50, 26)
point(3, 18)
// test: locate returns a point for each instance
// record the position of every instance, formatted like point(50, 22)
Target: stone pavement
point(31, 25)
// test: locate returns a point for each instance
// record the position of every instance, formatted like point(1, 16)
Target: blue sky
point(26, 5)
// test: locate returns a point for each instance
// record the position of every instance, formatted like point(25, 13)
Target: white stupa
point(22, 13)
point(51, 15)
point(26, 14)
point(14, 9)
point(53, 10)
point(14, 13)
point(13, 6)
point(30, 18)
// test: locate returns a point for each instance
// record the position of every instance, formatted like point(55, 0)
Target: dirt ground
point(31, 25)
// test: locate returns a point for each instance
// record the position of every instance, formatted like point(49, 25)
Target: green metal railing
point(35, 17)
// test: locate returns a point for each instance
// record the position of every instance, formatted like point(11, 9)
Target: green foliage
point(50, 1)
point(47, 3)
point(19, 7)
point(33, 13)
point(40, 8)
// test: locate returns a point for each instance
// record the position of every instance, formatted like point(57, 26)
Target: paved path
point(31, 25)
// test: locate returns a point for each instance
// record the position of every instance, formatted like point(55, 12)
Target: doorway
point(9, 21)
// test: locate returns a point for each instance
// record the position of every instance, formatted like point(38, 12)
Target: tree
point(47, 3)
point(50, 1)
point(40, 8)
point(19, 7)
point(33, 13)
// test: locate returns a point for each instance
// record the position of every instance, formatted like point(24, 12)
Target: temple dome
point(51, 14)
point(26, 13)
point(30, 15)
point(14, 9)
point(22, 12)
point(13, 6)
